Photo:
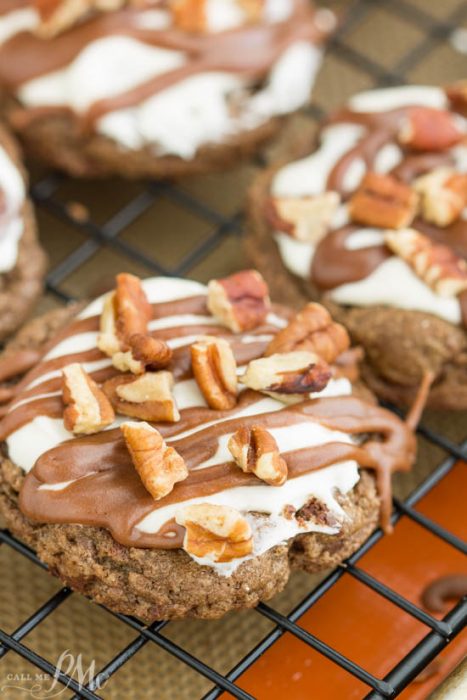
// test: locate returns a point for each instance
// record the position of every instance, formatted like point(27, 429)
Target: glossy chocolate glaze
point(249, 50)
point(106, 490)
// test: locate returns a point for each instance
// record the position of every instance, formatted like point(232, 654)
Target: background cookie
point(410, 323)
point(172, 89)
point(22, 261)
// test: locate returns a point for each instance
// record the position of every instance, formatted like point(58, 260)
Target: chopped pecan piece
point(88, 409)
point(148, 396)
point(383, 201)
point(144, 353)
point(443, 195)
point(215, 371)
point(194, 16)
point(58, 15)
point(253, 9)
point(288, 376)
point(190, 15)
point(132, 308)
point(123, 329)
point(304, 218)
point(457, 96)
point(240, 302)
point(437, 265)
point(255, 450)
point(313, 330)
point(216, 533)
point(159, 467)
point(428, 129)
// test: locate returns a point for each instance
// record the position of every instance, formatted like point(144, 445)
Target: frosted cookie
point(374, 223)
point(157, 88)
point(22, 261)
point(177, 449)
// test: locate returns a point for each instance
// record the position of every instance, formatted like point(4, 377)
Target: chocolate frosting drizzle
point(333, 263)
point(105, 490)
point(249, 51)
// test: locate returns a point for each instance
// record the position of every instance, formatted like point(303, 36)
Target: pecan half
point(240, 302)
point(304, 218)
point(443, 195)
point(255, 450)
point(429, 129)
point(159, 467)
point(383, 201)
point(436, 264)
point(87, 409)
point(215, 371)
point(216, 533)
point(148, 396)
point(288, 376)
point(313, 330)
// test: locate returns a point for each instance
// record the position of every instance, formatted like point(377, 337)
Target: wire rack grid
point(95, 236)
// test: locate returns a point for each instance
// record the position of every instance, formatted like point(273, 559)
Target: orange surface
point(362, 625)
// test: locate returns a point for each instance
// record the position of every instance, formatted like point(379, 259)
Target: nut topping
point(428, 129)
point(148, 396)
point(87, 408)
point(304, 218)
point(123, 329)
point(215, 371)
point(313, 330)
point(443, 195)
point(383, 201)
point(145, 353)
point(457, 96)
point(159, 467)
point(58, 15)
point(217, 533)
point(190, 15)
point(132, 308)
point(255, 450)
point(193, 15)
point(436, 264)
point(288, 376)
point(240, 302)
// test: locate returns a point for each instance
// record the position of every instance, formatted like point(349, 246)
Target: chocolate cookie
point(373, 223)
point(148, 477)
point(162, 90)
point(22, 261)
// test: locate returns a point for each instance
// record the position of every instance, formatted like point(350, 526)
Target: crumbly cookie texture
point(154, 584)
point(391, 264)
point(155, 89)
point(22, 260)
point(227, 495)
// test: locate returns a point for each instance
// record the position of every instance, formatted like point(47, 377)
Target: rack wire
point(439, 633)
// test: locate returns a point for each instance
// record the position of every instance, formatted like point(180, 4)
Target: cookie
point(170, 455)
point(162, 90)
point(373, 224)
point(22, 260)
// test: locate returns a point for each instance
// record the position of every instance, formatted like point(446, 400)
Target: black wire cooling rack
point(108, 235)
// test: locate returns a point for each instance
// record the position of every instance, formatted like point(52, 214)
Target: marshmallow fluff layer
point(12, 197)
point(194, 111)
point(42, 433)
point(393, 283)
